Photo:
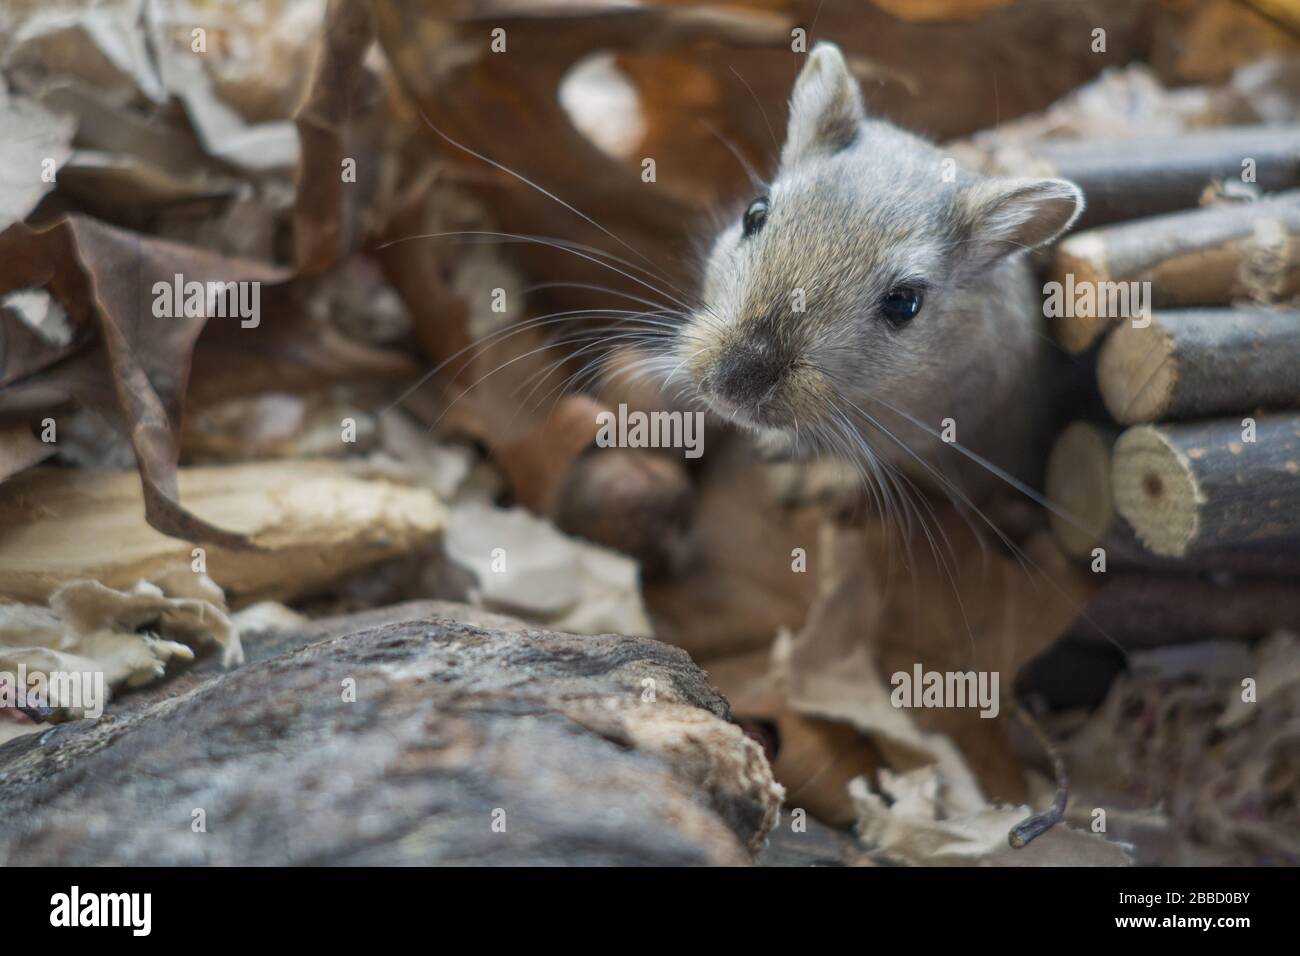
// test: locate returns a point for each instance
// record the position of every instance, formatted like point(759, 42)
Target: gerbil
point(878, 288)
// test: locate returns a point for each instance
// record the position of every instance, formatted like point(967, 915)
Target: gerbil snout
point(745, 375)
point(758, 384)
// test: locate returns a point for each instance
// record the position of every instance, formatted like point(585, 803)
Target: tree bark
point(469, 738)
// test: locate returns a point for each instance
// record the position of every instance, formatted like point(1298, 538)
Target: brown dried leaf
point(923, 10)
point(813, 758)
point(20, 449)
point(506, 107)
point(536, 463)
point(337, 123)
point(290, 352)
point(102, 273)
point(738, 587)
point(976, 609)
point(313, 522)
point(30, 342)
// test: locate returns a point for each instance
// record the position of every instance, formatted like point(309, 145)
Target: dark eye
point(755, 216)
point(901, 304)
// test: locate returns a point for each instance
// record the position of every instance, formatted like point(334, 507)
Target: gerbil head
point(846, 277)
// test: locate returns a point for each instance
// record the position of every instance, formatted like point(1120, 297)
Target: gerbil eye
point(754, 217)
point(901, 304)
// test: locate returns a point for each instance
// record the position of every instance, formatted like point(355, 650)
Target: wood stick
point(1134, 178)
point(1079, 484)
point(1197, 488)
point(1145, 610)
point(1201, 363)
point(1215, 256)
point(1037, 824)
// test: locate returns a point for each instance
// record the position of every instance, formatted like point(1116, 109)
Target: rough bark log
point(1201, 363)
point(1131, 179)
point(1215, 256)
point(1198, 488)
point(452, 721)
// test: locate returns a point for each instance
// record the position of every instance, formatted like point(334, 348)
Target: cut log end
point(1078, 484)
point(1156, 491)
point(1201, 363)
point(1083, 256)
point(1137, 371)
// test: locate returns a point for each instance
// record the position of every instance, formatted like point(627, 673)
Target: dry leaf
point(910, 831)
point(312, 523)
point(526, 567)
point(20, 449)
point(127, 636)
point(31, 152)
point(976, 609)
point(338, 124)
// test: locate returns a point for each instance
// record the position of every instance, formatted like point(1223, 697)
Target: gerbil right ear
point(825, 107)
point(999, 217)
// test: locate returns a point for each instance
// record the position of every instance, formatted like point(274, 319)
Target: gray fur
point(858, 206)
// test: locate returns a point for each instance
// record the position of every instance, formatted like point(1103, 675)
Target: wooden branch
point(1201, 363)
point(1199, 488)
point(1079, 485)
point(1154, 609)
point(1131, 179)
point(1214, 256)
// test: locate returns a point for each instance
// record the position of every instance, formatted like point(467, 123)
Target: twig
point(1034, 826)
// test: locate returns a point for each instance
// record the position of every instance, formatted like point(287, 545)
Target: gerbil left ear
point(1003, 216)
point(825, 107)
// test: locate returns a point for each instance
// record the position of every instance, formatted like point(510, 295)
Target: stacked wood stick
point(1188, 494)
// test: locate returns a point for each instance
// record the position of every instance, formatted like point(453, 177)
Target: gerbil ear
point(1002, 216)
point(825, 107)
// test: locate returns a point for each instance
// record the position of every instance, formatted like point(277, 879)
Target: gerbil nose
point(744, 375)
